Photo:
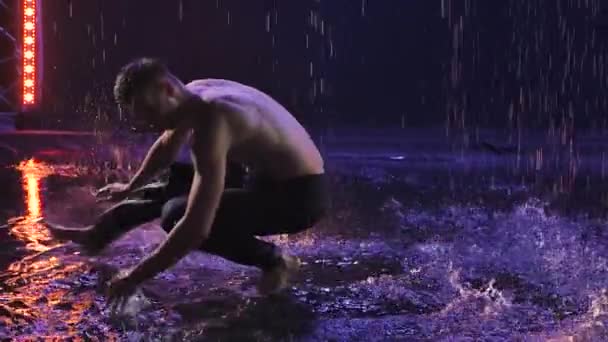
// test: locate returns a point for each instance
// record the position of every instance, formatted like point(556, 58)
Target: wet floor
point(431, 247)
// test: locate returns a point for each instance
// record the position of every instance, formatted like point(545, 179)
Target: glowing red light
point(29, 60)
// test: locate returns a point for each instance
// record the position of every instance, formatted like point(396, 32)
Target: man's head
point(147, 90)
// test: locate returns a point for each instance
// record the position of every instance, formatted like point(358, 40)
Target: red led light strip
point(28, 53)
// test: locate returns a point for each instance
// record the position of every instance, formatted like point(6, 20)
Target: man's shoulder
point(212, 82)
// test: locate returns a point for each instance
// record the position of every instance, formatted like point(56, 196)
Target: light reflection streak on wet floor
point(31, 293)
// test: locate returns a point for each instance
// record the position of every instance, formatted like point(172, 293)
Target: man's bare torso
point(264, 134)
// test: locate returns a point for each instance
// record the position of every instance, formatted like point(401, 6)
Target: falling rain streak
point(101, 26)
point(539, 75)
point(553, 62)
point(181, 10)
point(320, 41)
point(268, 22)
point(317, 39)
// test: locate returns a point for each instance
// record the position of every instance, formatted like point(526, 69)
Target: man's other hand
point(113, 191)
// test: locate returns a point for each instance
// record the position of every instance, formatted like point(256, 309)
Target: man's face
point(152, 106)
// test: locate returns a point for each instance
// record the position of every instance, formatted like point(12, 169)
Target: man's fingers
point(116, 307)
point(123, 302)
point(103, 199)
point(101, 193)
point(112, 303)
point(103, 188)
point(114, 300)
point(118, 303)
point(110, 197)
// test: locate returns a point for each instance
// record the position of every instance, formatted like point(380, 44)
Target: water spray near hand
point(124, 295)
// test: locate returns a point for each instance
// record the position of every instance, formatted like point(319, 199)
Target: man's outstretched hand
point(113, 191)
point(120, 288)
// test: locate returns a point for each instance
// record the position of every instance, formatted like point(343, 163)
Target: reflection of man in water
point(224, 122)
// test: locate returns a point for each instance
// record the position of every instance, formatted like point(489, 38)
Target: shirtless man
point(223, 122)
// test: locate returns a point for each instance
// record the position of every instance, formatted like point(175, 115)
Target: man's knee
point(134, 210)
point(172, 212)
point(236, 175)
point(180, 179)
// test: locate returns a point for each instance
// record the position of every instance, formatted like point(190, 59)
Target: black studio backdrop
point(9, 46)
point(464, 63)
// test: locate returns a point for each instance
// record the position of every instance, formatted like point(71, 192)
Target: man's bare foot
point(276, 279)
point(61, 232)
point(81, 236)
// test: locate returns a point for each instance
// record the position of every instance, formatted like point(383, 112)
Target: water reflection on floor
point(407, 254)
point(34, 301)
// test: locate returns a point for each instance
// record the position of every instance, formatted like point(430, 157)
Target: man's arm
point(209, 153)
point(160, 155)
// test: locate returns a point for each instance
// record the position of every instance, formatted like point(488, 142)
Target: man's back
point(265, 134)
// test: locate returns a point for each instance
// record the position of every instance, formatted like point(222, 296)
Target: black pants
point(146, 204)
point(261, 209)
point(266, 208)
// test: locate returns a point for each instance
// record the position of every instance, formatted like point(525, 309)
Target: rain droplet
point(101, 24)
point(268, 22)
point(181, 10)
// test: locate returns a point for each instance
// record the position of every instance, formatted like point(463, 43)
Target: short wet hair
point(134, 76)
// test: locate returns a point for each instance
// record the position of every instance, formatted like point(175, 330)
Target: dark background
point(9, 79)
point(462, 63)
